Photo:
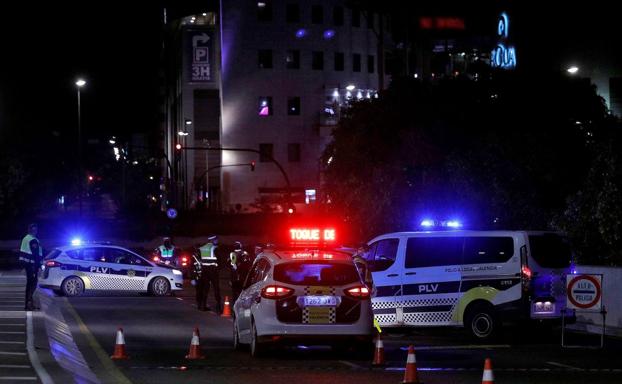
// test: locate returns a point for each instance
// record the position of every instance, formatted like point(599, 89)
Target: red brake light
point(358, 292)
point(156, 258)
point(526, 272)
point(52, 263)
point(184, 259)
point(276, 292)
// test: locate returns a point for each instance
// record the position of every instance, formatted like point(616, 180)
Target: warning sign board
point(584, 292)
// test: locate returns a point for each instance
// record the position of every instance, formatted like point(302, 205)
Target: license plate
point(320, 301)
point(544, 307)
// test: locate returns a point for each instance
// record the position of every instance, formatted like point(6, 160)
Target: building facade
point(266, 76)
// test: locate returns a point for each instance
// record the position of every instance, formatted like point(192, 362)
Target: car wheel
point(236, 336)
point(257, 349)
point(72, 286)
point(481, 322)
point(160, 286)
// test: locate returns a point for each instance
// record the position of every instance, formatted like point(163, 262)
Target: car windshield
point(550, 250)
point(316, 273)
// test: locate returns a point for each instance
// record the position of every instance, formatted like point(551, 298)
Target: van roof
point(456, 233)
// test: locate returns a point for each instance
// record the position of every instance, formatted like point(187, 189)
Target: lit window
point(293, 106)
point(292, 59)
point(265, 106)
point(310, 196)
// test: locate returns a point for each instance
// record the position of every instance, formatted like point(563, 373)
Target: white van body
point(475, 279)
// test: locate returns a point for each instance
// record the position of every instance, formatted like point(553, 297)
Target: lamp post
point(572, 70)
point(79, 84)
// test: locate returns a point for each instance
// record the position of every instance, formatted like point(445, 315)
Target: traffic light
point(252, 164)
point(177, 152)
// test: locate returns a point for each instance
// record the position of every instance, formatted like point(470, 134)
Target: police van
point(475, 279)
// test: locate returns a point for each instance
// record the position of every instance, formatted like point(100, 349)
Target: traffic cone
point(410, 374)
point(195, 348)
point(378, 353)
point(488, 377)
point(119, 347)
point(226, 312)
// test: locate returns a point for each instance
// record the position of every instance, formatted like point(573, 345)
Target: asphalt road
point(158, 332)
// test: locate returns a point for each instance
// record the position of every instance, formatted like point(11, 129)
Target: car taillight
point(184, 261)
point(156, 258)
point(358, 292)
point(276, 292)
point(52, 263)
point(526, 274)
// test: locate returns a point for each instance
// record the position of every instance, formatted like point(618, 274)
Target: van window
point(433, 251)
point(480, 250)
point(382, 254)
point(550, 250)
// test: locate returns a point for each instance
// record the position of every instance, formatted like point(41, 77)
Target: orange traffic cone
point(378, 353)
point(226, 312)
point(195, 347)
point(488, 377)
point(410, 374)
point(119, 347)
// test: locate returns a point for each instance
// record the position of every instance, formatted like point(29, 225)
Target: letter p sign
point(201, 55)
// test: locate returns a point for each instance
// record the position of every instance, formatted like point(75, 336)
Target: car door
point(386, 276)
point(430, 279)
point(251, 294)
point(127, 270)
point(95, 267)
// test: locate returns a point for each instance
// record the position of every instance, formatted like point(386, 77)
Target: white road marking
point(351, 365)
point(564, 365)
point(13, 353)
point(32, 354)
point(179, 298)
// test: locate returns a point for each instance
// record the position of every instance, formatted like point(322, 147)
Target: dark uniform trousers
point(32, 272)
point(209, 276)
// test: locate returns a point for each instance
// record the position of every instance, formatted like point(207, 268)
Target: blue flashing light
point(453, 224)
point(427, 223)
point(329, 34)
point(76, 241)
point(301, 33)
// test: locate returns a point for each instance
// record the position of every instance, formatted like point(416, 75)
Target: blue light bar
point(76, 241)
point(453, 224)
point(427, 223)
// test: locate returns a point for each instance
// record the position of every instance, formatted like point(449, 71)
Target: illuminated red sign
point(441, 23)
point(312, 234)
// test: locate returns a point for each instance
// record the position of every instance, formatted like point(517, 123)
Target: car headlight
point(176, 272)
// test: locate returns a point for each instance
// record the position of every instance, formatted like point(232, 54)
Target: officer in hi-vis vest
point(30, 255)
point(209, 275)
point(166, 251)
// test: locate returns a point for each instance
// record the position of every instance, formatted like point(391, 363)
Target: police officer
point(360, 261)
point(166, 251)
point(238, 259)
point(209, 275)
point(30, 255)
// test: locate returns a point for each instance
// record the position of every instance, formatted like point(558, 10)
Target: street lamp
point(79, 84)
point(572, 70)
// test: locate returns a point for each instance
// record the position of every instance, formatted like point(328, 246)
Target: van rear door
point(381, 261)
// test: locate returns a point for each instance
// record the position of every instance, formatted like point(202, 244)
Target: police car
point(303, 294)
point(74, 269)
point(475, 279)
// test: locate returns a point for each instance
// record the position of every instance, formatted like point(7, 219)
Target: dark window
point(264, 10)
point(292, 59)
point(370, 64)
point(433, 251)
point(338, 61)
point(317, 60)
point(293, 106)
point(258, 273)
point(338, 15)
point(266, 151)
point(88, 254)
point(293, 152)
point(119, 256)
point(206, 114)
point(382, 254)
point(479, 250)
point(356, 17)
point(265, 58)
point(370, 20)
point(550, 251)
point(292, 13)
point(317, 14)
point(356, 62)
point(265, 106)
point(316, 273)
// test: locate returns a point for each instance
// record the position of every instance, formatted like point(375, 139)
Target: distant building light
point(572, 70)
point(329, 34)
point(310, 196)
point(112, 141)
point(135, 162)
point(261, 4)
point(204, 14)
point(330, 160)
point(335, 93)
point(348, 95)
point(368, 95)
point(359, 95)
point(416, 75)
point(150, 177)
point(350, 87)
point(182, 133)
point(188, 122)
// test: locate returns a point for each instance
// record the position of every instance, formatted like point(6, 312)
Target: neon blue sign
point(503, 56)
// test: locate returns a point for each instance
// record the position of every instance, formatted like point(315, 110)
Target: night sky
point(116, 47)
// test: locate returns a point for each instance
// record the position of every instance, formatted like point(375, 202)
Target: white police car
point(308, 295)
point(74, 269)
